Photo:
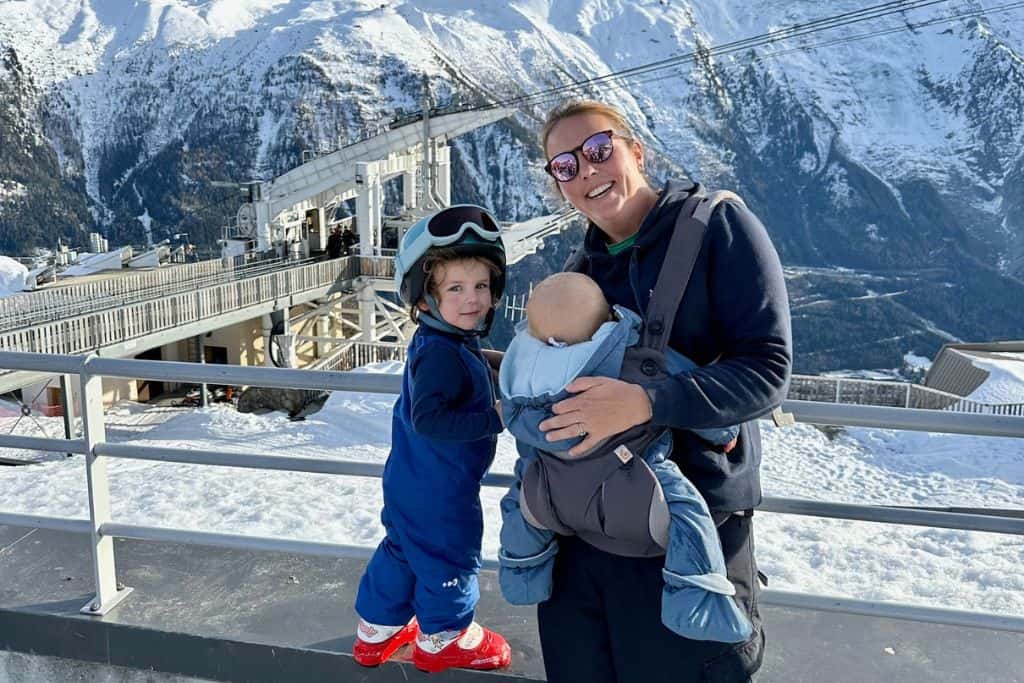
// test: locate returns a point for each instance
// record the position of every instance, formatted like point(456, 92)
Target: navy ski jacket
point(733, 322)
point(444, 428)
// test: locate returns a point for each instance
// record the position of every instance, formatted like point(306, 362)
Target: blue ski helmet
point(466, 229)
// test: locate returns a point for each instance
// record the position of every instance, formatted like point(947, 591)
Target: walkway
point(241, 615)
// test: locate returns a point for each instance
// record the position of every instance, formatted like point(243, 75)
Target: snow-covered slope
point(891, 144)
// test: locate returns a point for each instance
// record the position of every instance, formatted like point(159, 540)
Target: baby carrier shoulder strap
point(577, 261)
point(680, 258)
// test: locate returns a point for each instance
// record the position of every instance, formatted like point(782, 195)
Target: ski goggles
point(443, 229)
point(596, 149)
point(448, 226)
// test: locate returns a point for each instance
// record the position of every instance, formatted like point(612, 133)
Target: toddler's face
point(464, 293)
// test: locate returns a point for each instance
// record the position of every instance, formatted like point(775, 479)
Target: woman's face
point(603, 192)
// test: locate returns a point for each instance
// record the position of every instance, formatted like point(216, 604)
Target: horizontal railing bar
point(41, 362)
point(281, 378)
point(894, 610)
point(234, 541)
point(891, 610)
point(893, 515)
point(913, 419)
point(288, 463)
point(38, 443)
point(797, 506)
point(997, 512)
point(881, 609)
point(78, 526)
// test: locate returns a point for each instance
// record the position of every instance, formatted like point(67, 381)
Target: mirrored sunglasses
point(596, 149)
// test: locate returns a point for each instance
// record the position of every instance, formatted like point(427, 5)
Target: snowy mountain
point(885, 156)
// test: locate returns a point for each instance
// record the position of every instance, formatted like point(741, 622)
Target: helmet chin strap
point(435, 320)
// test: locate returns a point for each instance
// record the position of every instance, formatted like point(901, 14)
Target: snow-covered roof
point(94, 263)
point(12, 276)
point(1005, 381)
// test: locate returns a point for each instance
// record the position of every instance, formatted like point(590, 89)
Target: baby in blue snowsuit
point(570, 332)
point(421, 583)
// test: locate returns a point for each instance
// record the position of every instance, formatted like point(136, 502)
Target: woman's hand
point(602, 407)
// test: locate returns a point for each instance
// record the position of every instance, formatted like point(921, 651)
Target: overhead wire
point(814, 46)
point(788, 33)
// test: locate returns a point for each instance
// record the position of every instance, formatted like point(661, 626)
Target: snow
point(1005, 383)
point(11, 190)
point(869, 89)
point(912, 360)
point(147, 225)
point(12, 276)
point(967, 570)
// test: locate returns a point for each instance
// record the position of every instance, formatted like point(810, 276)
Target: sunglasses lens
point(564, 167)
point(597, 148)
point(448, 222)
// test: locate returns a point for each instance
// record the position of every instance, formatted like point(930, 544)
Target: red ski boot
point(475, 648)
point(374, 654)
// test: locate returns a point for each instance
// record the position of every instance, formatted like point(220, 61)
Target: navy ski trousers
point(602, 623)
point(427, 568)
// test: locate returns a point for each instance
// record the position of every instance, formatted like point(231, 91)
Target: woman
point(603, 621)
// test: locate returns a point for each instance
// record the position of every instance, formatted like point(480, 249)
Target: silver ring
point(580, 430)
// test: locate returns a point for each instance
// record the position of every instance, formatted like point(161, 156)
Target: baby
point(639, 506)
point(566, 308)
point(569, 308)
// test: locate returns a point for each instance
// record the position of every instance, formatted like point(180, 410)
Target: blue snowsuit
point(443, 438)
point(696, 600)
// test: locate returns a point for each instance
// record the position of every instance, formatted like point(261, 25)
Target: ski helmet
point(466, 229)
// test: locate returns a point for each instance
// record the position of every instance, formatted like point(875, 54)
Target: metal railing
point(14, 309)
point(888, 393)
point(107, 327)
point(355, 353)
point(378, 267)
point(103, 529)
point(76, 300)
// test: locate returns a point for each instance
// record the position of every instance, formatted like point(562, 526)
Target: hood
point(534, 371)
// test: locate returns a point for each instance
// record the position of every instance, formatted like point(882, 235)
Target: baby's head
point(566, 307)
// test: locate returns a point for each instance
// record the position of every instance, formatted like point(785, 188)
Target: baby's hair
point(566, 307)
point(434, 262)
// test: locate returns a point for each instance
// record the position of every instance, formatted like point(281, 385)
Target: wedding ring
point(580, 430)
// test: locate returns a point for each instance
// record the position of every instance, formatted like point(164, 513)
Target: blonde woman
point(603, 620)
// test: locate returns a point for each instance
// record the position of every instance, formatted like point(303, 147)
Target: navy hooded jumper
point(443, 437)
point(733, 322)
point(602, 622)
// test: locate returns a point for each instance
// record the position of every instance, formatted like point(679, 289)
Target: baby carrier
point(610, 497)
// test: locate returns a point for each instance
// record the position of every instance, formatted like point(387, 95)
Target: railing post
point(67, 405)
point(204, 396)
point(108, 592)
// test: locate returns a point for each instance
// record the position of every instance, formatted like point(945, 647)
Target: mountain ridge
point(861, 148)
